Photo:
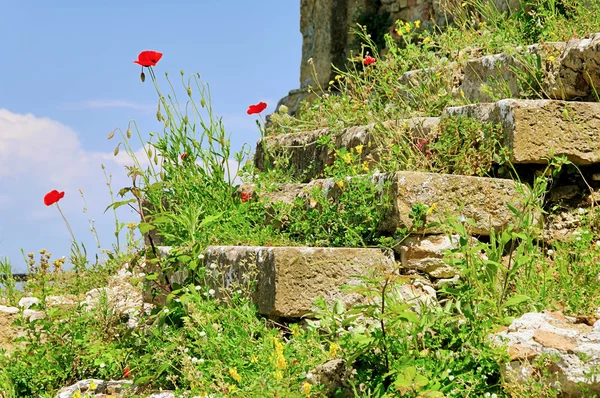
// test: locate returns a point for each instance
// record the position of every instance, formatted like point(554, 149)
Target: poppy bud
point(111, 135)
point(182, 72)
point(128, 133)
point(156, 160)
point(143, 77)
point(203, 103)
point(189, 91)
point(149, 152)
point(116, 152)
point(185, 119)
point(159, 116)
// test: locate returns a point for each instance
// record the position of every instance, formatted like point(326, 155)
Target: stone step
point(308, 158)
point(569, 71)
point(287, 280)
point(536, 129)
point(482, 200)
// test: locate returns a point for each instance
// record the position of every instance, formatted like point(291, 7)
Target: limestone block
point(289, 279)
point(535, 129)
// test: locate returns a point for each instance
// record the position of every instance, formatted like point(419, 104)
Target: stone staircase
point(289, 279)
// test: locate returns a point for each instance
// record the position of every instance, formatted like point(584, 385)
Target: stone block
point(287, 280)
point(308, 159)
point(536, 129)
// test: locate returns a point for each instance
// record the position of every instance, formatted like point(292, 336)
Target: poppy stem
point(66, 222)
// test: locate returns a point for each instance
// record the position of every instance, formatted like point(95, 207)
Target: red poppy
point(148, 58)
point(369, 60)
point(126, 372)
point(245, 197)
point(52, 197)
point(258, 108)
point(184, 156)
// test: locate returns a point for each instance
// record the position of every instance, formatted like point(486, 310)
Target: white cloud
point(110, 104)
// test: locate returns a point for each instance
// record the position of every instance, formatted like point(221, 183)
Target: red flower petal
point(148, 58)
point(184, 156)
point(245, 197)
point(258, 108)
point(369, 60)
point(126, 372)
point(52, 197)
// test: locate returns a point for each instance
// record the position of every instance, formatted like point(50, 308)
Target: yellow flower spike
point(235, 375)
point(333, 350)
point(365, 166)
point(359, 149)
point(306, 387)
point(417, 24)
point(278, 375)
point(340, 184)
point(347, 158)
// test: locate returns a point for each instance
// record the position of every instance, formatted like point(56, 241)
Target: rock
point(111, 388)
point(33, 315)
point(572, 350)
point(419, 293)
point(8, 310)
point(426, 254)
point(8, 315)
point(480, 199)
point(536, 129)
point(308, 159)
point(27, 302)
point(334, 375)
point(287, 280)
point(120, 297)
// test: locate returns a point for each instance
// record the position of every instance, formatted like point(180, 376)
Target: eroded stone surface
point(426, 254)
point(308, 159)
point(573, 350)
point(481, 200)
point(289, 279)
point(536, 129)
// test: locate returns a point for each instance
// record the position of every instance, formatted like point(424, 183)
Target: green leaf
point(152, 276)
point(145, 227)
point(515, 300)
point(116, 205)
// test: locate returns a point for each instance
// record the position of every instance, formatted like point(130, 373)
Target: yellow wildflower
point(438, 75)
point(365, 166)
point(331, 82)
point(235, 375)
point(279, 357)
point(407, 28)
point(306, 388)
point(340, 184)
point(359, 149)
point(231, 388)
point(347, 158)
point(338, 77)
point(427, 40)
point(333, 350)
point(278, 375)
point(398, 32)
point(92, 386)
point(464, 4)
point(417, 24)
point(253, 359)
point(432, 208)
point(295, 329)
point(551, 58)
point(76, 394)
point(462, 93)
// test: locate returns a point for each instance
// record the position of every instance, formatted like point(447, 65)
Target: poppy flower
point(184, 156)
point(245, 197)
point(126, 372)
point(52, 197)
point(258, 108)
point(148, 58)
point(369, 60)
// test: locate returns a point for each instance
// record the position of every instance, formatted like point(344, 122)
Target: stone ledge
point(536, 129)
point(287, 280)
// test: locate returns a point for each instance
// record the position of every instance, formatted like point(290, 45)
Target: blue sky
point(67, 80)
